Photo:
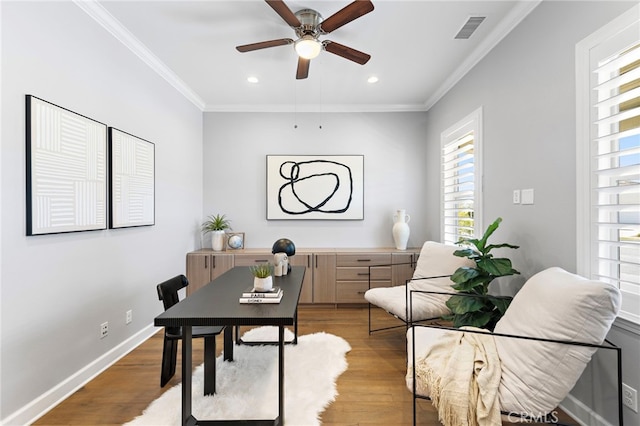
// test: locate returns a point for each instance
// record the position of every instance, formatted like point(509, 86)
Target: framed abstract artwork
point(66, 170)
point(132, 183)
point(315, 187)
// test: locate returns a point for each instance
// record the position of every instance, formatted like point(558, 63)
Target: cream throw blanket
point(461, 374)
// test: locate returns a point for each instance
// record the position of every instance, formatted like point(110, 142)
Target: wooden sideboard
point(334, 276)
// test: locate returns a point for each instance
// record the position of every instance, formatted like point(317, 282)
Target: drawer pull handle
point(364, 260)
point(261, 261)
point(366, 274)
point(361, 292)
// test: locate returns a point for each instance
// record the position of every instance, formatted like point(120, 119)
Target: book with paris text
point(262, 299)
point(252, 292)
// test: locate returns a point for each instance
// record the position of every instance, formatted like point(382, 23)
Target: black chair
point(168, 294)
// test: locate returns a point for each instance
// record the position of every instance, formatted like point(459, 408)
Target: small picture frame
point(234, 241)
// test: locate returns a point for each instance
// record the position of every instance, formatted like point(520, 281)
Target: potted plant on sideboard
point(217, 225)
point(481, 309)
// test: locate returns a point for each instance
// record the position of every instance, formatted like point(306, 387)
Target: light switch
point(527, 196)
point(516, 196)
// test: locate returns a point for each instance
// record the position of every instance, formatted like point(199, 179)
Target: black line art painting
point(315, 187)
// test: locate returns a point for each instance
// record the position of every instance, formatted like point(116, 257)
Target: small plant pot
point(263, 284)
point(217, 240)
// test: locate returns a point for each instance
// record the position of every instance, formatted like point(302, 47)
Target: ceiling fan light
point(307, 47)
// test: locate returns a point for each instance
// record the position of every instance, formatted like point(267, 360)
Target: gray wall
point(526, 86)
point(56, 290)
point(235, 149)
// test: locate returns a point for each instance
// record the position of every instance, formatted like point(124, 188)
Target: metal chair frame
point(548, 417)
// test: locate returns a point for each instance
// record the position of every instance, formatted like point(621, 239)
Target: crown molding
point(315, 108)
point(124, 36)
point(504, 27)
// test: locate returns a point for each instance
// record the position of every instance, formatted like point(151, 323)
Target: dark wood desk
point(217, 304)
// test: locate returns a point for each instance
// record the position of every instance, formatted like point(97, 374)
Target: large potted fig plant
point(217, 225)
point(479, 309)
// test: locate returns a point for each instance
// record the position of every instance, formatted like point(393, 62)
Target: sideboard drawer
point(363, 259)
point(354, 273)
point(353, 291)
point(252, 259)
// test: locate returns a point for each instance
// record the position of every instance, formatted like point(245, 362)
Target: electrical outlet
point(104, 330)
point(129, 316)
point(630, 397)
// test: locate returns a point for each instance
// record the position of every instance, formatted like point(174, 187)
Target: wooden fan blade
point(284, 12)
point(346, 52)
point(303, 68)
point(346, 15)
point(264, 45)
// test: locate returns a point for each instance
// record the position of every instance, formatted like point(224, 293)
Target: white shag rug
point(247, 388)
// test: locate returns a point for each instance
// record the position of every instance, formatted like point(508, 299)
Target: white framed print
point(66, 170)
point(132, 183)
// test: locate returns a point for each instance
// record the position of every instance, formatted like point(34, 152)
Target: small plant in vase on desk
point(263, 290)
point(262, 280)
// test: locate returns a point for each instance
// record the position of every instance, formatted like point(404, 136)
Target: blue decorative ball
point(235, 241)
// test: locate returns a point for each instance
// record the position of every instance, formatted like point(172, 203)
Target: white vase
point(217, 240)
point(401, 229)
point(263, 284)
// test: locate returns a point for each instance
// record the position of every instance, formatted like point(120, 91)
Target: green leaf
point(490, 230)
point(500, 304)
point(464, 304)
point(477, 285)
point(466, 252)
point(463, 274)
point(494, 246)
point(474, 319)
point(498, 267)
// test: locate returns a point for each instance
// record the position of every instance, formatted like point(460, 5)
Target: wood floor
point(371, 392)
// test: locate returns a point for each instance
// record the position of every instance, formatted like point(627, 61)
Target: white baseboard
point(581, 413)
point(48, 400)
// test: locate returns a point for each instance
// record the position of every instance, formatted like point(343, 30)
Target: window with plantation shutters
point(608, 67)
point(461, 179)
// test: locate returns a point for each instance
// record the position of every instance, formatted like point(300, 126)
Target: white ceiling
point(411, 43)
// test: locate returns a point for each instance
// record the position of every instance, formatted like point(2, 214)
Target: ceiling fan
point(309, 26)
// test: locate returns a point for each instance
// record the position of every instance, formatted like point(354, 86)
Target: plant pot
point(263, 284)
point(217, 240)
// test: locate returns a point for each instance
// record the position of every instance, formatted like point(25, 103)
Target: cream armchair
point(435, 264)
point(532, 359)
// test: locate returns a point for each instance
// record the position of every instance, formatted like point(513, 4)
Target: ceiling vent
point(470, 27)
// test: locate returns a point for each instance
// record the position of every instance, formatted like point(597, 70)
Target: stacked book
point(252, 295)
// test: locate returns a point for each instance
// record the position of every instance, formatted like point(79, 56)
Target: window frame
point(470, 123)
point(584, 104)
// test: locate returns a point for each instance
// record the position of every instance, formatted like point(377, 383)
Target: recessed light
point(252, 79)
point(372, 79)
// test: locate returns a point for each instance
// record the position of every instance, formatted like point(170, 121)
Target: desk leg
point(186, 374)
point(281, 374)
point(210, 365)
point(228, 343)
point(295, 329)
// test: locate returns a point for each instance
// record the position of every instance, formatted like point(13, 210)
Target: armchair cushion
point(436, 259)
point(425, 306)
point(553, 304)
